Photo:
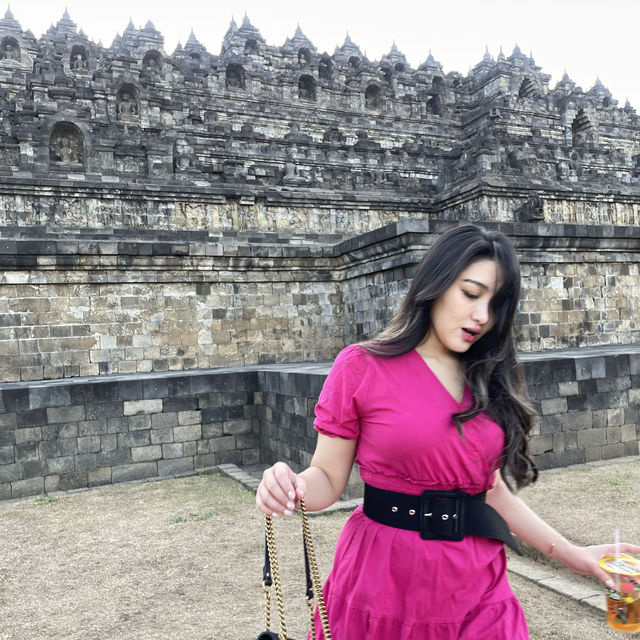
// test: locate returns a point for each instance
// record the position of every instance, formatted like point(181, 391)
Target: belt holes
point(394, 509)
point(412, 512)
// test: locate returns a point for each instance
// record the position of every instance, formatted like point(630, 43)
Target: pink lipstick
point(469, 335)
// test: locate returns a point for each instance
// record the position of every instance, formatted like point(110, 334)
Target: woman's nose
point(481, 313)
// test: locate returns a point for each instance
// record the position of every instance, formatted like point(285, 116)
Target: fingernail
point(290, 505)
point(300, 493)
point(609, 584)
point(274, 515)
point(291, 495)
point(287, 512)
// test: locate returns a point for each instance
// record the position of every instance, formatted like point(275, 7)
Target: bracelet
point(553, 545)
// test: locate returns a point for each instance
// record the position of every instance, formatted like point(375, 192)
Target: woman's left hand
point(584, 560)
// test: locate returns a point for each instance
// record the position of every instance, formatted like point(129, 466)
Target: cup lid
point(622, 564)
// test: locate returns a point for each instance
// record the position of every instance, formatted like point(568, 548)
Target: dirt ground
point(182, 558)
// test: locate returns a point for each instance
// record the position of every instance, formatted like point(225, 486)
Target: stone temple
point(188, 239)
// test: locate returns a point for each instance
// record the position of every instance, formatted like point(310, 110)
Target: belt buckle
point(441, 515)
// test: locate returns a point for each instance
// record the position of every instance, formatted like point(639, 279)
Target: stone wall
point(587, 401)
point(88, 432)
point(101, 303)
point(580, 283)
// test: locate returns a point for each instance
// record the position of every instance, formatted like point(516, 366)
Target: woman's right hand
point(280, 490)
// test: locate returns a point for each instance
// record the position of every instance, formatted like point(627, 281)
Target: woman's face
point(463, 314)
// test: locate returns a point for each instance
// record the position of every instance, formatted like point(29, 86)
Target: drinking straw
point(617, 541)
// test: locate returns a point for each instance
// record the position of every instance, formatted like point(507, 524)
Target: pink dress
point(388, 583)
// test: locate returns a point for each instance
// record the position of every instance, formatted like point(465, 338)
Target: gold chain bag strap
point(271, 578)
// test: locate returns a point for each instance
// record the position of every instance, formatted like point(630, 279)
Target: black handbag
point(271, 579)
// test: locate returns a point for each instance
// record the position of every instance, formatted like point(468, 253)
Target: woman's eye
point(469, 295)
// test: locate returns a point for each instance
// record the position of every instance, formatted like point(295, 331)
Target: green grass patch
point(42, 500)
point(195, 517)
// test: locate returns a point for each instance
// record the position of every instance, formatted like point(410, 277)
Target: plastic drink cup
point(623, 601)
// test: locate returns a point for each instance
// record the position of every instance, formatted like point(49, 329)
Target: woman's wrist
point(552, 547)
point(560, 550)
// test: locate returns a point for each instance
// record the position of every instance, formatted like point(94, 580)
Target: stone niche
point(9, 49)
point(66, 147)
point(127, 104)
point(79, 59)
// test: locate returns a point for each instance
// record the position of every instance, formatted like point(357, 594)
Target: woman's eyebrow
point(480, 284)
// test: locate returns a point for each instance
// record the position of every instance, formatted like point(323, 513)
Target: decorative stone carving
point(78, 59)
point(487, 129)
point(307, 88)
point(183, 156)
point(372, 97)
point(234, 76)
point(127, 104)
point(10, 49)
point(531, 211)
point(131, 159)
point(152, 63)
point(292, 173)
point(66, 145)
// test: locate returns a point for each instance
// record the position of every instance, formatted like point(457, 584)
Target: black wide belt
point(438, 515)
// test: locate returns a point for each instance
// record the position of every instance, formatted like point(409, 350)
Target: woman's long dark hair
point(491, 365)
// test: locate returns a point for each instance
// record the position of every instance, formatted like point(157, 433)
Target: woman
point(436, 412)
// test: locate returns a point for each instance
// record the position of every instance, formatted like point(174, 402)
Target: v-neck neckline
point(465, 392)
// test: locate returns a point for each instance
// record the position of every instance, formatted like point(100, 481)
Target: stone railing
point(94, 431)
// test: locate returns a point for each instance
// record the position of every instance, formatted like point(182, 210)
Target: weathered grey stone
point(136, 471)
point(554, 406)
point(164, 420)
point(65, 415)
point(161, 435)
point(170, 451)
point(212, 430)
point(98, 477)
point(146, 454)
point(134, 439)
point(34, 468)
point(7, 455)
point(69, 430)
point(112, 458)
point(89, 444)
point(135, 407)
point(51, 483)
point(76, 480)
point(224, 443)
point(67, 446)
point(139, 422)
point(109, 442)
point(33, 434)
point(186, 433)
point(189, 418)
point(9, 472)
point(237, 427)
point(61, 465)
point(189, 449)
point(92, 428)
point(175, 466)
point(86, 461)
point(592, 437)
point(29, 487)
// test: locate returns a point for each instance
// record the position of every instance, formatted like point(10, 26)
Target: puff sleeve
point(342, 400)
